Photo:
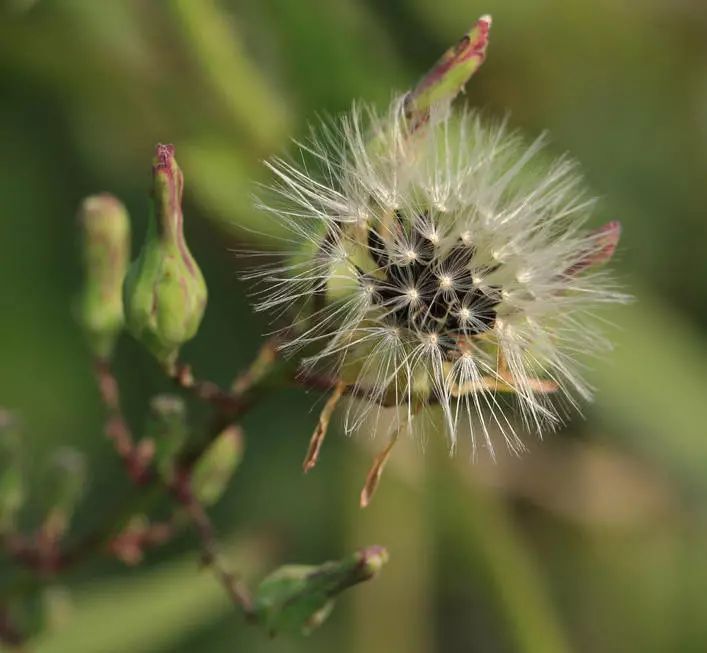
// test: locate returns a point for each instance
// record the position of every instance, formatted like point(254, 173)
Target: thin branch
point(224, 401)
point(227, 406)
point(136, 457)
point(235, 588)
point(268, 355)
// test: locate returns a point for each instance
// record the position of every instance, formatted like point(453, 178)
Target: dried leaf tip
point(315, 443)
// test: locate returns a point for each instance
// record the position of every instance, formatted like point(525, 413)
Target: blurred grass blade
point(478, 522)
point(252, 104)
point(652, 388)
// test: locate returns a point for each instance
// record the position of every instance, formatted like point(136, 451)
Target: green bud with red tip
point(105, 243)
point(165, 293)
point(447, 77)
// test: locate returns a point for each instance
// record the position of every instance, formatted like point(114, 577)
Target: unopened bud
point(216, 466)
point(12, 491)
point(106, 253)
point(437, 89)
point(167, 428)
point(298, 598)
point(165, 293)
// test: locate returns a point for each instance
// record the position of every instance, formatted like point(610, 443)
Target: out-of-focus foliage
point(593, 541)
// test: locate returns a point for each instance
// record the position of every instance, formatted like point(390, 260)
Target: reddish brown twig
point(136, 457)
point(203, 527)
point(226, 402)
point(128, 542)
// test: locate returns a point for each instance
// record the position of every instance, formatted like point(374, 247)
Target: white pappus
point(446, 264)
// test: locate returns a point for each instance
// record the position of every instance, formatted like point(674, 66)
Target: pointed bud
point(445, 80)
point(167, 428)
point(603, 244)
point(297, 598)
point(65, 489)
point(106, 253)
point(214, 469)
point(165, 292)
point(12, 490)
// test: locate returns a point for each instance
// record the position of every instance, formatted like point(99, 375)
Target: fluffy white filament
point(437, 268)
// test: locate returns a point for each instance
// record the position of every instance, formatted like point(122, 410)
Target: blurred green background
point(594, 541)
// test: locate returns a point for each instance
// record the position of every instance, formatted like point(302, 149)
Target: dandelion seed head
point(432, 266)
